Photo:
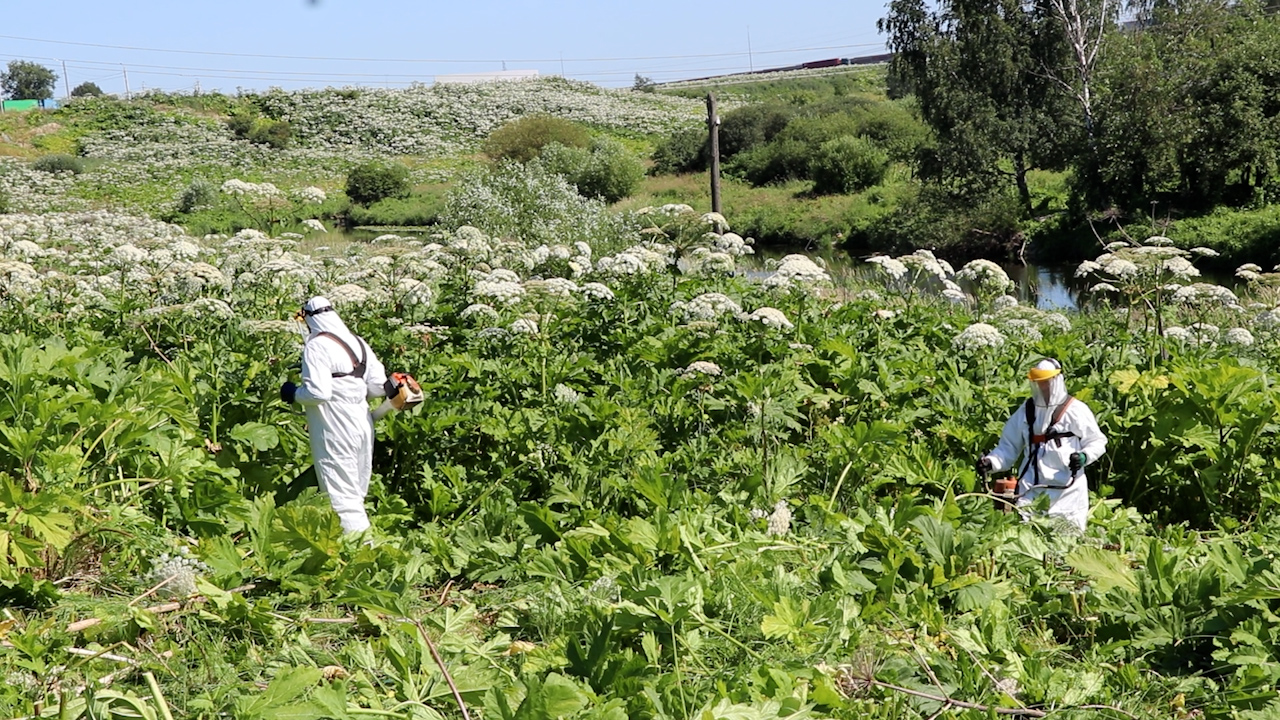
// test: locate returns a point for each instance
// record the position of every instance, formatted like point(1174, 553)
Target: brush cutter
point(403, 393)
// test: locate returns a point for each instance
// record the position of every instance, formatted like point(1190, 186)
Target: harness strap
point(357, 366)
point(1038, 440)
point(1050, 433)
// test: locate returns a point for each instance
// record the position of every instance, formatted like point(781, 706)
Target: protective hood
point(321, 317)
point(1047, 371)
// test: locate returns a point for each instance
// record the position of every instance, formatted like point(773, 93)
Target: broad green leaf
point(1105, 569)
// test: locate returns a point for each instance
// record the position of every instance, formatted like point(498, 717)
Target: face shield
point(1047, 386)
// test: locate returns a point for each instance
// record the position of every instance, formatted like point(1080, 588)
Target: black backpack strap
point(1035, 441)
point(357, 366)
point(1030, 410)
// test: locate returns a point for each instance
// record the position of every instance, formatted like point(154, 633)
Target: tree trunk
point(1020, 172)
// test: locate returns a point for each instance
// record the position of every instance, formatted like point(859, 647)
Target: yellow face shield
point(1038, 374)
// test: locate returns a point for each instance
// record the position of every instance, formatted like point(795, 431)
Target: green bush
point(606, 171)
point(240, 124)
point(417, 209)
point(523, 140)
point(246, 125)
point(847, 164)
point(273, 133)
point(199, 194)
point(58, 163)
point(776, 162)
point(986, 227)
point(748, 127)
point(685, 151)
point(370, 182)
point(893, 127)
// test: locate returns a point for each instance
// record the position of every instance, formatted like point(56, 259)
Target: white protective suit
point(338, 418)
point(1051, 464)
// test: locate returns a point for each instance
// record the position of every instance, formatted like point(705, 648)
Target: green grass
point(786, 215)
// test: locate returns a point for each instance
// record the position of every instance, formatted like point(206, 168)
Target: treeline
point(1174, 112)
point(1016, 127)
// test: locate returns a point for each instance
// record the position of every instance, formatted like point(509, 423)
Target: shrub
point(87, 89)
point(523, 140)
point(417, 209)
point(274, 133)
point(606, 171)
point(775, 162)
point(977, 227)
point(893, 127)
point(370, 182)
point(528, 203)
point(685, 151)
point(199, 194)
point(240, 124)
point(751, 126)
point(59, 163)
point(847, 164)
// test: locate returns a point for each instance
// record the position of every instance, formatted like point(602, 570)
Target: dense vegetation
point(643, 483)
point(639, 486)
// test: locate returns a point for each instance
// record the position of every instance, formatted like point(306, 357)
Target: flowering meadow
point(143, 153)
point(642, 484)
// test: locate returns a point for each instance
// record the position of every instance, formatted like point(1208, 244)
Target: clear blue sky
point(394, 42)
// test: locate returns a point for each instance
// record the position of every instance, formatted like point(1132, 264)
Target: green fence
point(21, 105)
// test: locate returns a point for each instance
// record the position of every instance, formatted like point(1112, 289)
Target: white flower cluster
point(178, 573)
point(250, 190)
point(707, 306)
point(638, 260)
point(978, 336)
point(895, 269)
point(797, 271)
point(310, 195)
point(700, 369)
point(1152, 264)
point(1206, 294)
point(566, 395)
point(780, 519)
point(597, 291)
point(988, 277)
point(771, 318)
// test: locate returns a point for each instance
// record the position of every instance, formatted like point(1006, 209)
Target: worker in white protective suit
point(1052, 437)
point(339, 374)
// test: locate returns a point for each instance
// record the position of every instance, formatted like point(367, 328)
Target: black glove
point(983, 466)
point(287, 392)
point(1077, 461)
point(391, 388)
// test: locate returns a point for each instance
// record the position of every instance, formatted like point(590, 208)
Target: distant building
point(465, 78)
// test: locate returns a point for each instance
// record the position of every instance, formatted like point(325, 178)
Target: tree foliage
point(26, 80)
point(87, 89)
point(977, 70)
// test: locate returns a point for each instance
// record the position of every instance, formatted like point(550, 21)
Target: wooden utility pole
point(713, 125)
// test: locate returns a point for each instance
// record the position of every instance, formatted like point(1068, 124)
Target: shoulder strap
point(1062, 410)
point(357, 366)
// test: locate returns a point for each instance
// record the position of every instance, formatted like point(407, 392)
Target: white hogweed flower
point(978, 336)
point(780, 520)
point(772, 318)
point(700, 368)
